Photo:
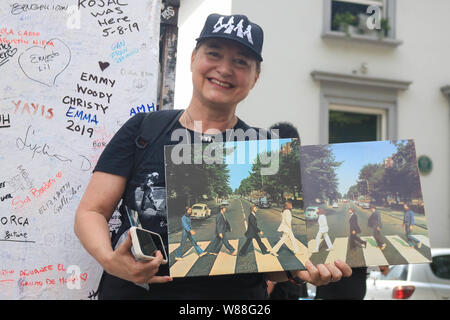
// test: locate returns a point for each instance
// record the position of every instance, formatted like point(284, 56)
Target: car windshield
point(197, 207)
point(399, 272)
point(311, 209)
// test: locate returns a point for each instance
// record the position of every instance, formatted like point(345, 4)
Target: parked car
point(224, 203)
point(200, 211)
point(335, 205)
point(263, 203)
point(414, 281)
point(365, 205)
point(311, 213)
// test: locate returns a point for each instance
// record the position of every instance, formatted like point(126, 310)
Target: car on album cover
point(413, 281)
point(335, 205)
point(311, 213)
point(263, 203)
point(200, 211)
point(365, 205)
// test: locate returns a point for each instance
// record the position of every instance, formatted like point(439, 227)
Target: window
point(441, 267)
point(360, 20)
point(353, 124)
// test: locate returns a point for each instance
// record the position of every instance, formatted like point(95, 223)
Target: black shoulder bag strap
point(154, 126)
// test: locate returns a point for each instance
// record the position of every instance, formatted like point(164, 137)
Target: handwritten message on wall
point(71, 73)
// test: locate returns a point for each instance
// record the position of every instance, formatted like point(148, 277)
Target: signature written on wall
point(36, 149)
point(26, 144)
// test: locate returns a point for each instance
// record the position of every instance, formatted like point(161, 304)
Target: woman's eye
point(241, 62)
point(213, 53)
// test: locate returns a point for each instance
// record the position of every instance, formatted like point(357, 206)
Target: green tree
point(402, 179)
point(318, 168)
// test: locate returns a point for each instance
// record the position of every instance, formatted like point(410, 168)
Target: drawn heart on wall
point(103, 65)
point(45, 64)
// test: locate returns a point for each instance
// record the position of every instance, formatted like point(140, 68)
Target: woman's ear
point(194, 52)
point(256, 79)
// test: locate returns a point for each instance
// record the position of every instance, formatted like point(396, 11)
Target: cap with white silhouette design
point(234, 27)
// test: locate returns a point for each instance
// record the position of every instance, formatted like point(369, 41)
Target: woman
point(225, 66)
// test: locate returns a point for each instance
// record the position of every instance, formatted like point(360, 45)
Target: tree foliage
point(319, 166)
point(398, 181)
point(286, 179)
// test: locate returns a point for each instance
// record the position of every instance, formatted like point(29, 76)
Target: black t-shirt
point(119, 158)
point(349, 288)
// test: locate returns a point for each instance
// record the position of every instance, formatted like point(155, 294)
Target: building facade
point(324, 66)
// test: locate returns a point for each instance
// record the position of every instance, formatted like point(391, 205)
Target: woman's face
point(223, 73)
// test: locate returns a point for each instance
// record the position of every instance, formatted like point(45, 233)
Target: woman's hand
point(323, 274)
point(319, 275)
point(123, 264)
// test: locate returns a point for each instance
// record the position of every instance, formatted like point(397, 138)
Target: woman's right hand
point(122, 264)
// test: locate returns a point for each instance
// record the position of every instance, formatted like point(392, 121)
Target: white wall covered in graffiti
point(71, 73)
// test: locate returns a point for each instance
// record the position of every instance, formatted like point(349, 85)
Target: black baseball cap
point(235, 27)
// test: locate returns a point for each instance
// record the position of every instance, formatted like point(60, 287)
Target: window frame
point(389, 11)
point(382, 113)
point(358, 92)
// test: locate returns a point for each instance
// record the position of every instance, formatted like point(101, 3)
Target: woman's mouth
point(222, 84)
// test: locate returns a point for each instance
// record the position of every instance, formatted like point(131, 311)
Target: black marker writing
point(6, 52)
point(23, 143)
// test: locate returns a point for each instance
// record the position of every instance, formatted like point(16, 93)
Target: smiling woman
point(225, 66)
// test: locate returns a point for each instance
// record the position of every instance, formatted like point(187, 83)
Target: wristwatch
point(294, 280)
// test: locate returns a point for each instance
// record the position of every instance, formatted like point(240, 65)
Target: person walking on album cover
point(355, 230)
point(286, 228)
point(222, 228)
point(253, 232)
point(375, 224)
point(408, 223)
point(188, 233)
point(323, 231)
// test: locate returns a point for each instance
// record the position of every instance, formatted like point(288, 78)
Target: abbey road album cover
point(270, 205)
point(363, 203)
point(235, 207)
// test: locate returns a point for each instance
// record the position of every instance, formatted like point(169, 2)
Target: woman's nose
point(225, 67)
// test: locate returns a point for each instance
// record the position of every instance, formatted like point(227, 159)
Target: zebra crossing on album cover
point(225, 263)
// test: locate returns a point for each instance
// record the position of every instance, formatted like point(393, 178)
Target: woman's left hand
point(323, 274)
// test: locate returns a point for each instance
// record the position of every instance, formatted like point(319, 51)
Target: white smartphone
point(146, 243)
